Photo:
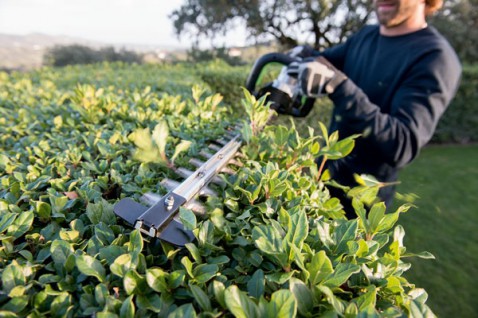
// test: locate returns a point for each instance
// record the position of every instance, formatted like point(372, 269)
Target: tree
point(328, 22)
point(458, 22)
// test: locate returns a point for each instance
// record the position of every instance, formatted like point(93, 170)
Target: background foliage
point(327, 22)
point(324, 23)
point(458, 21)
point(460, 122)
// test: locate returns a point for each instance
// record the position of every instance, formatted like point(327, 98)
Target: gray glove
point(317, 77)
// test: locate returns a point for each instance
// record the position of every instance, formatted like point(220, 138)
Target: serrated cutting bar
point(159, 219)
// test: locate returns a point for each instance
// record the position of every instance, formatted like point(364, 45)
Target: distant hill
point(24, 52)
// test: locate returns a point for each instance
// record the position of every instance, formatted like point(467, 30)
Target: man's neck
point(412, 23)
point(401, 29)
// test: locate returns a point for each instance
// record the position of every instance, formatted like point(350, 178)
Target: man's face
point(392, 13)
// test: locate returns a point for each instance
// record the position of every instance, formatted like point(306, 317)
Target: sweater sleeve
point(415, 109)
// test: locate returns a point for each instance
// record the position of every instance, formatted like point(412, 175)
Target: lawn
point(445, 223)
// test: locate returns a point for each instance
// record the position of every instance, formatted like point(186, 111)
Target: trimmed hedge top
point(273, 243)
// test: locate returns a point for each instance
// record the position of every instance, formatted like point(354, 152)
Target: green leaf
point(194, 251)
point(303, 296)
point(39, 183)
point(279, 277)
point(43, 210)
point(282, 305)
point(201, 297)
point(267, 239)
point(376, 215)
point(281, 135)
point(341, 274)
point(176, 279)
point(90, 266)
point(122, 265)
point(60, 250)
point(188, 266)
point(149, 302)
point(157, 279)
point(111, 253)
point(240, 305)
point(298, 229)
point(181, 147)
point(389, 219)
point(21, 224)
point(343, 147)
point(319, 268)
point(206, 233)
point(219, 293)
point(423, 255)
point(256, 285)
point(134, 283)
point(186, 310)
point(104, 234)
point(337, 303)
point(8, 314)
point(325, 133)
point(101, 212)
point(6, 220)
point(127, 308)
point(344, 233)
point(135, 242)
point(61, 305)
point(15, 306)
point(17, 292)
point(160, 136)
point(101, 294)
point(142, 138)
point(188, 218)
point(204, 272)
point(12, 276)
point(367, 300)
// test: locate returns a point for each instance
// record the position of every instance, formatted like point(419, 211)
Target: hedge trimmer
point(159, 216)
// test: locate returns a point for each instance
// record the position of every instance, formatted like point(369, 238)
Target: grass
point(445, 223)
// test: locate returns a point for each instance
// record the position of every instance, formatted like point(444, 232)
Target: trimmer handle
point(261, 63)
point(282, 101)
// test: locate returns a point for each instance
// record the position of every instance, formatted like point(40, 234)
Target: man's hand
point(317, 76)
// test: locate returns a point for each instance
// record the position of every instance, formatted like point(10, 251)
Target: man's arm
point(415, 109)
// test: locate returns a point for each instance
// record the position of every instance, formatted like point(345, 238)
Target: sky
point(144, 22)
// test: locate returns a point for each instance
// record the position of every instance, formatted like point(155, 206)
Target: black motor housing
point(284, 92)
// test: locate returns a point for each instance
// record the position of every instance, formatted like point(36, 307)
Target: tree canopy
point(458, 22)
point(321, 23)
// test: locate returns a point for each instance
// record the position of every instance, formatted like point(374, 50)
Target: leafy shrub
point(197, 55)
point(80, 54)
point(274, 243)
point(225, 80)
point(460, 121)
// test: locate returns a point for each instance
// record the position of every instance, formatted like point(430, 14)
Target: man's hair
point(432, 6)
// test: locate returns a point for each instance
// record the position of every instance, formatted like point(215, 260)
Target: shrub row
point(79, 54)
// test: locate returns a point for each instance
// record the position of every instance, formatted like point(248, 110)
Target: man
point(390, 83)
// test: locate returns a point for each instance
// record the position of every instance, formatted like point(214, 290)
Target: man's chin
point(387, 20)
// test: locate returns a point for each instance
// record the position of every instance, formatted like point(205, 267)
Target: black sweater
point(398, 88)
